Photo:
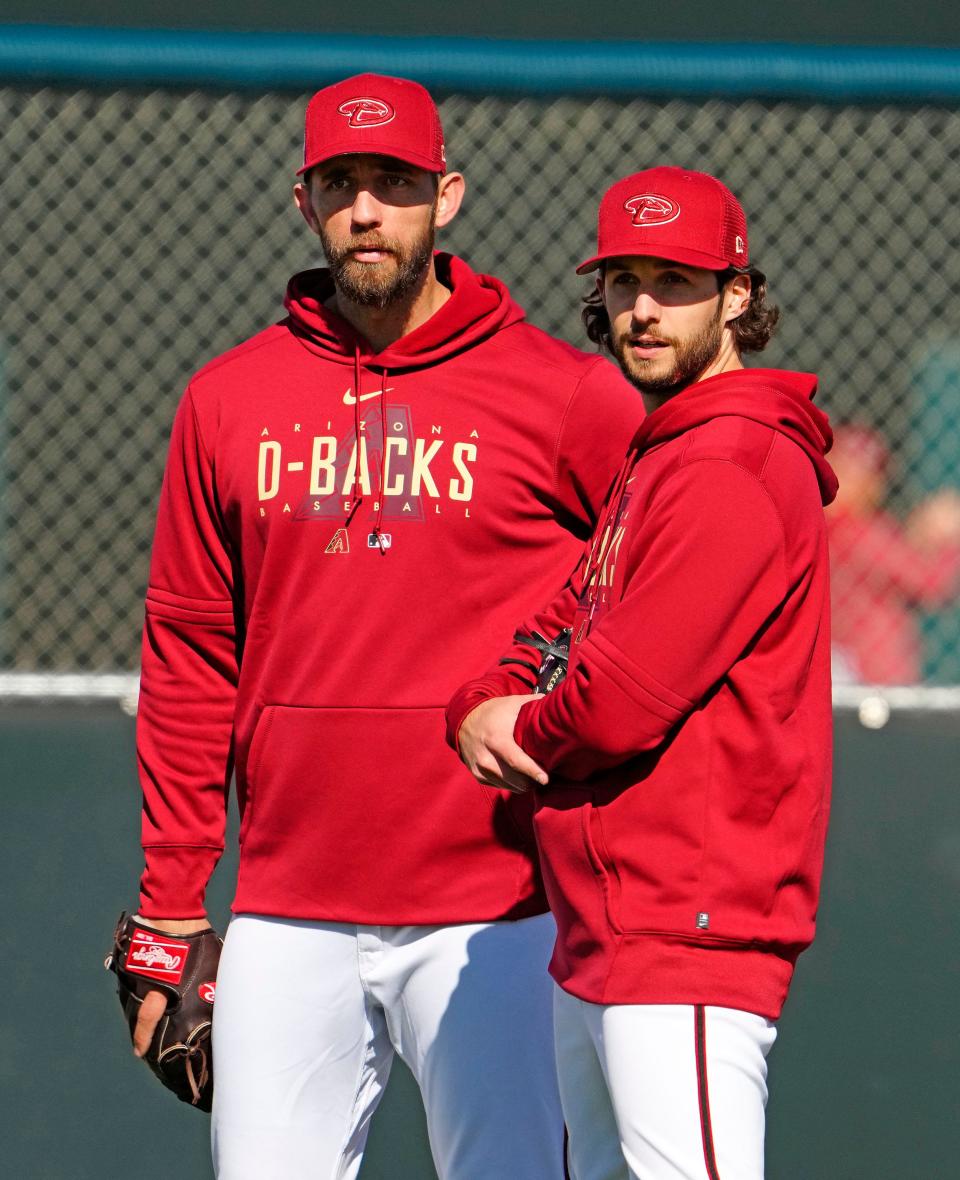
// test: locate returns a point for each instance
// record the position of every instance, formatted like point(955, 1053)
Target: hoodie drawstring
point(377, 531)
point(356, 496)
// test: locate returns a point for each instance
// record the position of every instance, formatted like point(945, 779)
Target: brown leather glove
point(184, 966)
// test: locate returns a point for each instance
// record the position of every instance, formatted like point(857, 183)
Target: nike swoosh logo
point(350, 400)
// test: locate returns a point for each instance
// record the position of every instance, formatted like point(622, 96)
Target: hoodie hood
point(776, 398)
point(479, 305)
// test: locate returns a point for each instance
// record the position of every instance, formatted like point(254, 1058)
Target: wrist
point(173, 925)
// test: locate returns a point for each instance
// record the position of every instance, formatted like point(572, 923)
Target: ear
point(737, 297)
point(449, 198)
point(301, 198)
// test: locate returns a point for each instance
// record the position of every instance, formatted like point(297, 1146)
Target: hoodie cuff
point(174, 881)
point(466, 699)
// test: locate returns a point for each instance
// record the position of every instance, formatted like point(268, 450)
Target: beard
point(378, 284)
point(691, 355)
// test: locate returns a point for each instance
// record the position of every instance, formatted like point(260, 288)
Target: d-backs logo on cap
point(366, 112)
point(652, 209)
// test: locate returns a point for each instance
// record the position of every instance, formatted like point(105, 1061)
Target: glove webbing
point(191, 1053)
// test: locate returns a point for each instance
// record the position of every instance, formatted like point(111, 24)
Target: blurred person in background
point(358, 502)
point(882, 569)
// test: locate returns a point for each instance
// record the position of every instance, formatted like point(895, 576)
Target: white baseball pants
point(309, 1015)
point(662, 1091)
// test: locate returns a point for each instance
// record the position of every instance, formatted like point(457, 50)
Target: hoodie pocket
point(576, 879)
point(261, 731)
point(369, 803)
point(584, 868)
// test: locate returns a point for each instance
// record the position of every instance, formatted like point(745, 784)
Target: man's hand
point(486, 745)
point(155, 1002)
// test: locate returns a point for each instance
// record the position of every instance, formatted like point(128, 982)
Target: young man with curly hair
point(681, 769)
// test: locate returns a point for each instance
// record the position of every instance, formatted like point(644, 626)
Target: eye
point(397, 180)
point(336, 184)
point(623, 278)
point(674, 278)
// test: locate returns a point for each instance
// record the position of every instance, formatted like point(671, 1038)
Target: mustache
point(367, 242)
point(636, 333)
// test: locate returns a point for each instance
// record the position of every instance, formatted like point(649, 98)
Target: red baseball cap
point(377, 115)
point(671, 213)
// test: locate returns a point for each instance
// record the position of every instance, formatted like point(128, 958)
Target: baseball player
point(357, 501)
point(681, 769)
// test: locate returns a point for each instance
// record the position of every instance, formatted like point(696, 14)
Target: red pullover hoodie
point(339, 535)
point(689, 747)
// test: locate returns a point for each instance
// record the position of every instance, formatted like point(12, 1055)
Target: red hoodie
point(308, 630)
point(689, 746)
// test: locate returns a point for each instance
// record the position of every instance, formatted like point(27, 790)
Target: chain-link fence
point(143, 232)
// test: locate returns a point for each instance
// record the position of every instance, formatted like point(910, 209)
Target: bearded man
point(340, 497)
point(681, 769)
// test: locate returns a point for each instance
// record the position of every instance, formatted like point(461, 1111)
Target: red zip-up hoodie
point(313, 601)
point(689, 747)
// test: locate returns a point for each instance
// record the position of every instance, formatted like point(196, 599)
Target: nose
point(366, 212)
point(646, 309)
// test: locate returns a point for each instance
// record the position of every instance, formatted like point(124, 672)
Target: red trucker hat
point(671, 213)
point(375, 114)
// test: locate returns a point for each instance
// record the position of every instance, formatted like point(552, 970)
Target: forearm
point(184, 731)
point(605, 712)
point(174, 926)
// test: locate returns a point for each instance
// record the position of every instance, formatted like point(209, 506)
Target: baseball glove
point(184, 966)
point(554, 654)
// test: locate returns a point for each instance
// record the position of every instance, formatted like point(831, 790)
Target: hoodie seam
point(564, 366)
point(754, 476)
point(208, 455)
point(181, 844)
point(219, 522)
point(269, 336)
point(766, 459)
point(563, 423)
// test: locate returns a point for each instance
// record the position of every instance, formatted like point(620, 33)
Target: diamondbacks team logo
point(366, 112)
point(652, 209)
point(339, 542)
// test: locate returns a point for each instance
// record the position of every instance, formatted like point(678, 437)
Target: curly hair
point(752, 329)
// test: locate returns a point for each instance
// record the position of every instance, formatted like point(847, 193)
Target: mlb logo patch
point(157, 958)
point(379, 540)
